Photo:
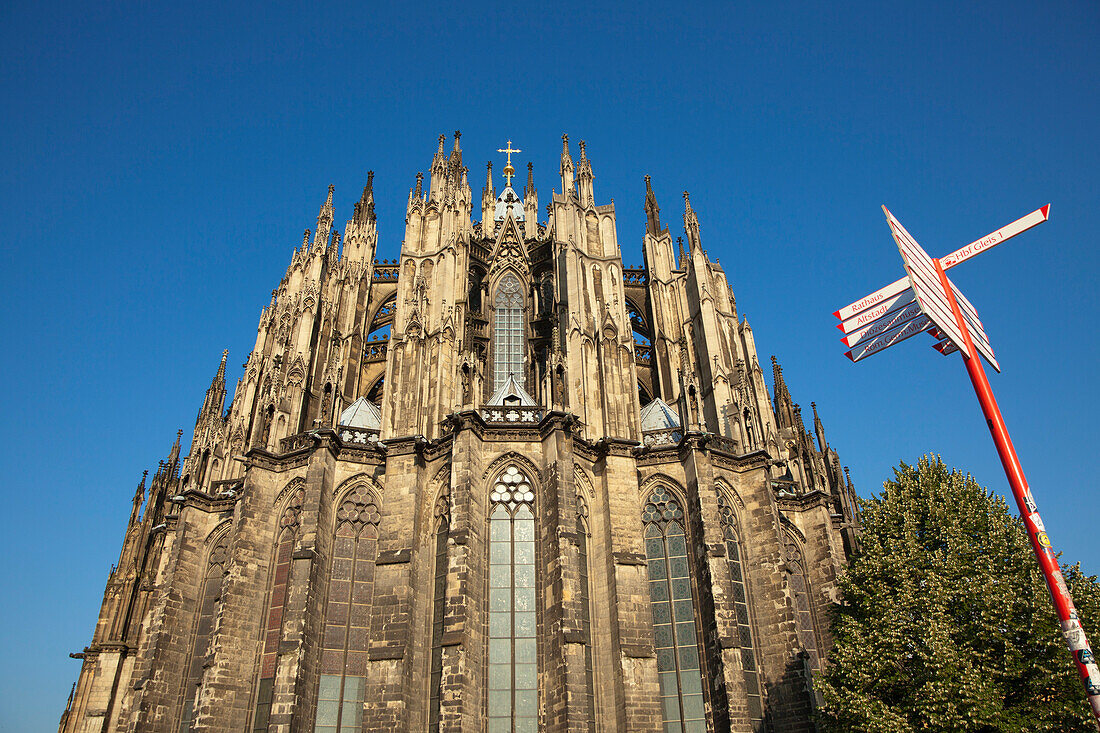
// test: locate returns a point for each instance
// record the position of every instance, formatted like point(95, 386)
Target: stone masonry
point(502, 483)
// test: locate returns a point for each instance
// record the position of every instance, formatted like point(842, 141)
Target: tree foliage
point(945, 622)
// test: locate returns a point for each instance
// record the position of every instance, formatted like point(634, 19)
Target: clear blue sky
point(161, 161)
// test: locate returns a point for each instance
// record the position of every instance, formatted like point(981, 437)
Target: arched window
point(800, 591)
point(513, 660)
point(741, 602)
point(585, 610)
point(673, 605)
point(286, 537)
point(508, 335)
point(439, 608)
point(200, 644)
point(347, 615)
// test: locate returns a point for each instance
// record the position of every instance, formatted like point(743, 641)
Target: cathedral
point(502, 483)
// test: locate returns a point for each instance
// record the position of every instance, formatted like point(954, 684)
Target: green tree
point(945, 623)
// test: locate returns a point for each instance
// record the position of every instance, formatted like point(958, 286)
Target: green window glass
point(513, 657)
point(674, 625)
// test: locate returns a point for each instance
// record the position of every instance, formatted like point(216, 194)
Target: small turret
point(652, 213)
point(566, 167)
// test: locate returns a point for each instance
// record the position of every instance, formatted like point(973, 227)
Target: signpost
point(888, 318)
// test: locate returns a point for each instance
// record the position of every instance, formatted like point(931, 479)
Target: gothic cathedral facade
point(500, 484)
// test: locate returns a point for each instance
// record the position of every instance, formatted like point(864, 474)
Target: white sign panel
point(885, 340)
point(889, 305)
point(992, 240)
point(885, 323)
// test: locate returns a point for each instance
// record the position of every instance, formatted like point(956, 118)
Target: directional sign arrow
point(885, 323)
point(960, 255)
point(885, 340)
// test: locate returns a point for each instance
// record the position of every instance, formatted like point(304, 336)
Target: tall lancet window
point(200, 646)
point(803, 606)
point(347, 615)
point(673, 603)
point(508, 333)
point(741, 602)
point(439, 609)
point(287, 536)
point(584, 603)
point(513, 661)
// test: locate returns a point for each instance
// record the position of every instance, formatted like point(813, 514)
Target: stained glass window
point(508, 335)
point(513, 660)
point(200, 647)
point(347, 615)
point(674, 626)
point(289, 524)
point(800, 590)
point(741, 602)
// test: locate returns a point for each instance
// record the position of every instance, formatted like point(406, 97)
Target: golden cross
point(509, 171)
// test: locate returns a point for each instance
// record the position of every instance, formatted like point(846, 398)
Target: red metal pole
point(1072, 631)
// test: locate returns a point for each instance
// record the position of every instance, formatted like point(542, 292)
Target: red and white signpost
point(926, 300)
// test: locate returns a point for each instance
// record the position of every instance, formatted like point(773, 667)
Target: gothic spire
point(438, 172)
point(566, 167)
point(652, 213)
point(819, 429)
point(139, 496)
point(364, 209)
point(455, 159)
point(324, 221)
point(489, 190)
point(529, 189)
point(584, 177)
point(784, 408)
point(691, 224)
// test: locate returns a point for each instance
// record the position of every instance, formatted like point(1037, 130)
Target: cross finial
point(509, 171)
